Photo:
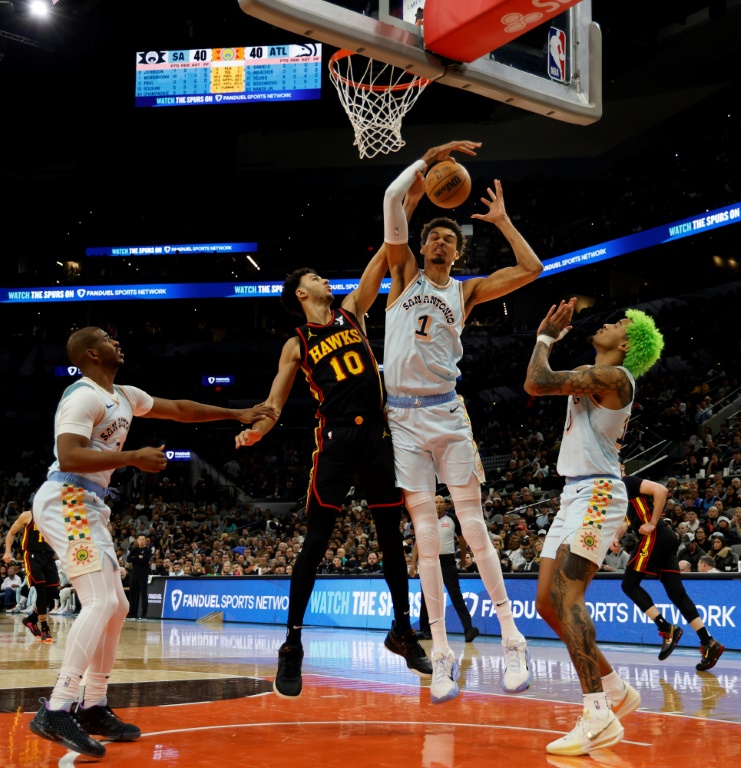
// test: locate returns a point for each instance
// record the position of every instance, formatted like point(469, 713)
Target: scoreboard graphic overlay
point(228, 75)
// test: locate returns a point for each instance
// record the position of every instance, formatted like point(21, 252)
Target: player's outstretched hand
point(438, 154)
point(495, 201)
point(557, 323)
point(257, 413)
point(247, 437)
point(150, 459)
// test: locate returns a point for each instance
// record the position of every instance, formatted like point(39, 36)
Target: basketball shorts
point(354, 454)
point(74, 522)
point(40, 567)
point(656, 552)
point(434, 440)
point(592, 510)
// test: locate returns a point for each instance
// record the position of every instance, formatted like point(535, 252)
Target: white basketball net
point(375, 97)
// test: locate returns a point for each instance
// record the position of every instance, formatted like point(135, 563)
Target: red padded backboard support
point(466, 30)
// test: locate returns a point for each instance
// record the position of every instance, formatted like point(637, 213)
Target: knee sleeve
point(421, 506)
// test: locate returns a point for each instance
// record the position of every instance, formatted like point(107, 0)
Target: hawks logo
point(589, 540)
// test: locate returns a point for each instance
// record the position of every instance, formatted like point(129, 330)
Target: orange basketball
point(447, 184)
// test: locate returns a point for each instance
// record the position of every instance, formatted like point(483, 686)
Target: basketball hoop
point(375, 100)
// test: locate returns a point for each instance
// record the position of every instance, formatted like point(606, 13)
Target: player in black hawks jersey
point(352, 438)
point(41, 571)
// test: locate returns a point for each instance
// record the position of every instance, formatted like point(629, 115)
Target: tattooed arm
point(599, 380)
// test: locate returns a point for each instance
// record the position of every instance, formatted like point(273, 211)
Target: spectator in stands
point(513, 553)
point(702, 539)
point(724, 527)
point(725, 560)
point(693, 522)
point(734, 465)
point(706, 564)
point(468, 565)
point(373, 564)
point(543, 519)
point(9, 587)
point(616, 559)
point(684, 566)
point(688, 550)
point(710, 523)
point(735, 526)
point(531, 564)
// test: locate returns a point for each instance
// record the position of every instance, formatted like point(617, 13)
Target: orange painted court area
point(202, 695)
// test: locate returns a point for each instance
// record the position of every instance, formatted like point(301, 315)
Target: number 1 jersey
point(423, 339)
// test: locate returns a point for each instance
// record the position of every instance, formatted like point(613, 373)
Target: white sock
point(612, 683)
point(595, 704)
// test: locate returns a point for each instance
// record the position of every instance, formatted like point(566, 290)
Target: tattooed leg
point(561, 587)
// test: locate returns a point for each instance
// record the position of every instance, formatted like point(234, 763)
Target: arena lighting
point(39, 8)
point(254, 263)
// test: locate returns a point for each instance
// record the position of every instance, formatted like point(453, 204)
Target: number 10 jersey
point(341, 370)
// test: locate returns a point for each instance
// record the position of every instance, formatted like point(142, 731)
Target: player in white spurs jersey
point(90, 428)
point(430, 429)
point(592, 504)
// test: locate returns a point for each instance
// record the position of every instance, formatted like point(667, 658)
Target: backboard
point(520, 73)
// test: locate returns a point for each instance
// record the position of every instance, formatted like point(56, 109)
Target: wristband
point(547, 340)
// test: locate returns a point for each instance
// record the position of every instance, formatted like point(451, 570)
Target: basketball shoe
point(64, 727)
point(445, 672)
point(101, 720)
point(407, 646)
point(32, 627)
point(588, 734)
point(670, 641)
point(517, 675)
point(622, 704)
point(45, 633)
point(710, 655)
point(287, 683)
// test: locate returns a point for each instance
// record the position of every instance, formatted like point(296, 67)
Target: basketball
point(447, 184)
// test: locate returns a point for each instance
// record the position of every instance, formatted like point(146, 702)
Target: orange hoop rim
point(416, 82)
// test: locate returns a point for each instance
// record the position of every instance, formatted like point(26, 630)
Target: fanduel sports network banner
point(721, 217)
point(365, 603)
point(170, 250)
point(667, 233)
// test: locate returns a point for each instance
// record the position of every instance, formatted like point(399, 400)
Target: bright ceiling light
point(39, 8)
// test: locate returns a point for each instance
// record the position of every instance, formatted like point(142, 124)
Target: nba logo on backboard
point(557, 55)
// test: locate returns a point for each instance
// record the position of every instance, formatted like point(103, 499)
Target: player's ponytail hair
point(645, 342)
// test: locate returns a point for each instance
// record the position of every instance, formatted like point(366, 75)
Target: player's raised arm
point(288, 366)
point(362, 298)
point(401, 260)
point(507, 279)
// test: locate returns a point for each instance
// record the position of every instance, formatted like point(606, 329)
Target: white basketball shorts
point(433, 440)
point(75, 523)
point(592, 510)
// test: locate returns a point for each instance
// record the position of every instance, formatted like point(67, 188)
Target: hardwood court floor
point(202, 695)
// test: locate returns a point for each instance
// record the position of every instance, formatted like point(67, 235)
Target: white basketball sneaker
point(445, 672)
point(517, 674)
point(588, 734)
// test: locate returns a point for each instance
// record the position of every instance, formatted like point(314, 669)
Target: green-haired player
point(593, 504)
